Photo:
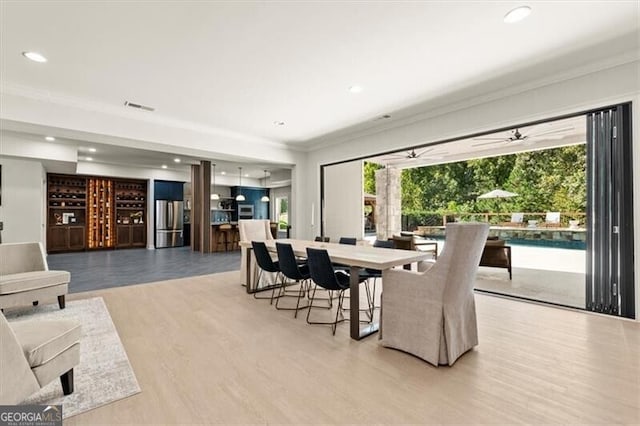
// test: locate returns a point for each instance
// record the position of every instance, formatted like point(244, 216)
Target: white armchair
point(252, 230)
point(34, 353)
point(432, 314)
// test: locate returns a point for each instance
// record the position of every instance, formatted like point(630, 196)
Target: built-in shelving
point(66, 217)
point(131, 213)
point(86, 212)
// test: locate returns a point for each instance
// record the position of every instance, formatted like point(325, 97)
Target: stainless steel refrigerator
point(169, 223)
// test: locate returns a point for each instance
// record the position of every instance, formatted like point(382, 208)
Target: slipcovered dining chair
point(432, 314)
point(253, 230)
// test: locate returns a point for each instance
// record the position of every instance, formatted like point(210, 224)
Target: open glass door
point(610, 256)
point(282, 216)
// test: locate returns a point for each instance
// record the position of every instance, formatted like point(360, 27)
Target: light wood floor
point(206, 352)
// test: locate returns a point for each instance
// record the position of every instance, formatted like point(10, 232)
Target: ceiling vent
point(138, 106)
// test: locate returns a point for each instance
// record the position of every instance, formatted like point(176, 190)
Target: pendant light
point(214, 196)
point(265, 198)
point(240, 197)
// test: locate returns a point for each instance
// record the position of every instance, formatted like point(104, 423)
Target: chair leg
point(61, 302)
point(66, 380)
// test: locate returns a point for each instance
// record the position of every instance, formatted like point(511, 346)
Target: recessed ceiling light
point(355, 89)
point(34, 56)
point(517, 14)
point(177, 160)
point(49, 138)
point(164, 166)
point(246, 175)
point(223, 173)
point(92, 150)
point(278, 123)
point(88, 158)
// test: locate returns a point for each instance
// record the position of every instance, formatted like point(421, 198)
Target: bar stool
point(225, 232)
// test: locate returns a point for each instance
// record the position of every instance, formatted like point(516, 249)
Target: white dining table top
point(364, 256)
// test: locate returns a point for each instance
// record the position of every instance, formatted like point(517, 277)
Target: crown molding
point(433, 109)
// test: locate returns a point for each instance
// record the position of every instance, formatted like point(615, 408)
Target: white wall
point(551, 99)
point(23, 194)
point(343, 211)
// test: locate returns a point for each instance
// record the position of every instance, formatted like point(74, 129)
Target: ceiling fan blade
point(488, 139)
point(549, 132)
point(424, 151)
point(490, 143)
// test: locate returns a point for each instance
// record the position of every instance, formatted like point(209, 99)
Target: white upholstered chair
point(252, 230)
point(432, 314)
point(33, 353)
point(25, 277)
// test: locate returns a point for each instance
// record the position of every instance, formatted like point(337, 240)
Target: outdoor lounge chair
point(552, 220)
point(516, 220)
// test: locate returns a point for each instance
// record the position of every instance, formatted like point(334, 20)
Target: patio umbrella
point(498, 193)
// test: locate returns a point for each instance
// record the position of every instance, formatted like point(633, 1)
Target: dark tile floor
point(115, 268)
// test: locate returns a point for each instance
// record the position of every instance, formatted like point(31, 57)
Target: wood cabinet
point(131, 236)
point(65, 238)
point(88, 212)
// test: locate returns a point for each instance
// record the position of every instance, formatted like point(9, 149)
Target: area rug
point(104, 374)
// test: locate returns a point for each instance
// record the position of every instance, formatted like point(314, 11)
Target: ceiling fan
point(412, 154)
point(516, 136)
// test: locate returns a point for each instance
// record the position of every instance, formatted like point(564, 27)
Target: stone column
point(388, 203)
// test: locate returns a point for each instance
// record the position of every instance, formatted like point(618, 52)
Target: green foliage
point(547, 180)
point(284, 206)
point(369, 170)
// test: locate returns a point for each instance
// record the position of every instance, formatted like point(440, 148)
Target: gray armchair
point(431, 314)
point(33, 353)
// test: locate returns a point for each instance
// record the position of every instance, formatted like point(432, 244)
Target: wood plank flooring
point(206, 352)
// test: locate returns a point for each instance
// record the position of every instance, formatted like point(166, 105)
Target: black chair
point(350, 242)
point(266, 264)
point(375, 274)
point(322, 239)
point(323, 275)
point(290, 268)
point(347, 240)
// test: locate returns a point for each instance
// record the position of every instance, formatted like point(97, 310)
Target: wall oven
point(245, 211)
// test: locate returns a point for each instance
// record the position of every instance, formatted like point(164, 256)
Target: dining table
point(356, 257)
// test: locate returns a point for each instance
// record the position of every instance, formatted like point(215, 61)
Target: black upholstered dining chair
point(375, 274)
point(323, 275)
point(292, 269)
point(320, 239)
point(347, 240)
point(266, 264)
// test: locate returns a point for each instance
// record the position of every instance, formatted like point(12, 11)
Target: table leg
point(247, 253)
point(357, 333)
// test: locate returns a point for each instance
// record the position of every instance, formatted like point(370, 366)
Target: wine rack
point(100, 213)
point(66, 212)
point(92, 212)
point(131, 209)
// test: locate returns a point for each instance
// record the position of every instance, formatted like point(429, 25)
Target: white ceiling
point(552, 134)
point(239, 66)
